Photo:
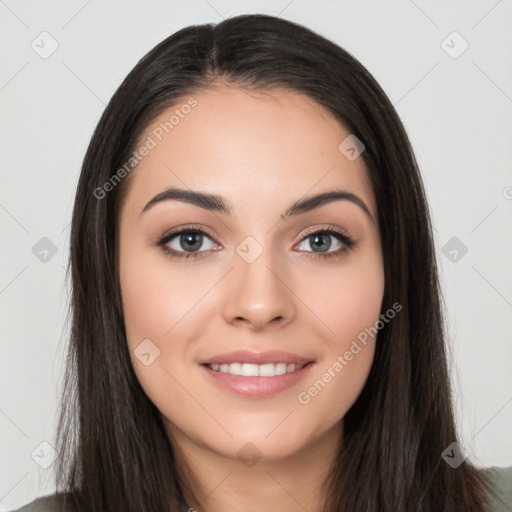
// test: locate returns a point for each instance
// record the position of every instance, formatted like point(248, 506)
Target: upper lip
point(247, 356)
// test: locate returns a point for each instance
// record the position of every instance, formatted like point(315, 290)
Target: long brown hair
point(114, 453)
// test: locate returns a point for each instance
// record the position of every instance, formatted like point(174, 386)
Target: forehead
point(235, 141)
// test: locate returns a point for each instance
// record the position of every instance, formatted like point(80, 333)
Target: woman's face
point(257, 280)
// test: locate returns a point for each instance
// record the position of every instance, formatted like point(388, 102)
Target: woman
point(256, 316)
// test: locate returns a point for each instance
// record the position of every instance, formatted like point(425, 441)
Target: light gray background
point(457, 112)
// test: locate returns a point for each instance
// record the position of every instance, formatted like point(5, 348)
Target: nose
point(257, 295)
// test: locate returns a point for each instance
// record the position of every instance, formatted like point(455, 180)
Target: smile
point(255, 370)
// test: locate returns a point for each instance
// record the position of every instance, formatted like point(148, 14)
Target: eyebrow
point(216, 203)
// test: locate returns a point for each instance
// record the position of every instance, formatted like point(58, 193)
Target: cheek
point(354, 304)
point(158, 304)
point(348, 299)
point(164, 302)
point(156, 295)
point(349, 305)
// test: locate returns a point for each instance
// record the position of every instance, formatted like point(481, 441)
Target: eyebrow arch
point(217, 203)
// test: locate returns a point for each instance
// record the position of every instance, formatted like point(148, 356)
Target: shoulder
point(52, 503)
point(500, 482)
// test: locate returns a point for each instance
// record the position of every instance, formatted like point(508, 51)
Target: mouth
point(256, 375)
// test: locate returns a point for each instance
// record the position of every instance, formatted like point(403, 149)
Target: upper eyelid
point(173, 233)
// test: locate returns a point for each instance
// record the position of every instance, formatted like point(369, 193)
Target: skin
point(261, 152)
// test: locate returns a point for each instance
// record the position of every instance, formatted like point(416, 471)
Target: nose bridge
point(257, 292)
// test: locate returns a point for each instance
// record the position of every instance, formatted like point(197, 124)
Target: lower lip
point(257, 387)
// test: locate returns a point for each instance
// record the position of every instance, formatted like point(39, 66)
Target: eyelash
point(348, 242)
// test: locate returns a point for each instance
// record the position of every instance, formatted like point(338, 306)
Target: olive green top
point(499, 478)
point(501, 483)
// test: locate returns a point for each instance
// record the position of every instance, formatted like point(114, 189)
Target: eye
point(319, 243)
point(185, 242)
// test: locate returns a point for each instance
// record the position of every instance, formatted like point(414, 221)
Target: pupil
point(193, 239)
point(319, 239)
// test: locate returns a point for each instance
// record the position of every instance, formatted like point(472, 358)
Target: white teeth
point(255, 370)
point(267, 370)
point(250, 370)
point(280, 369)
point(235, 368)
